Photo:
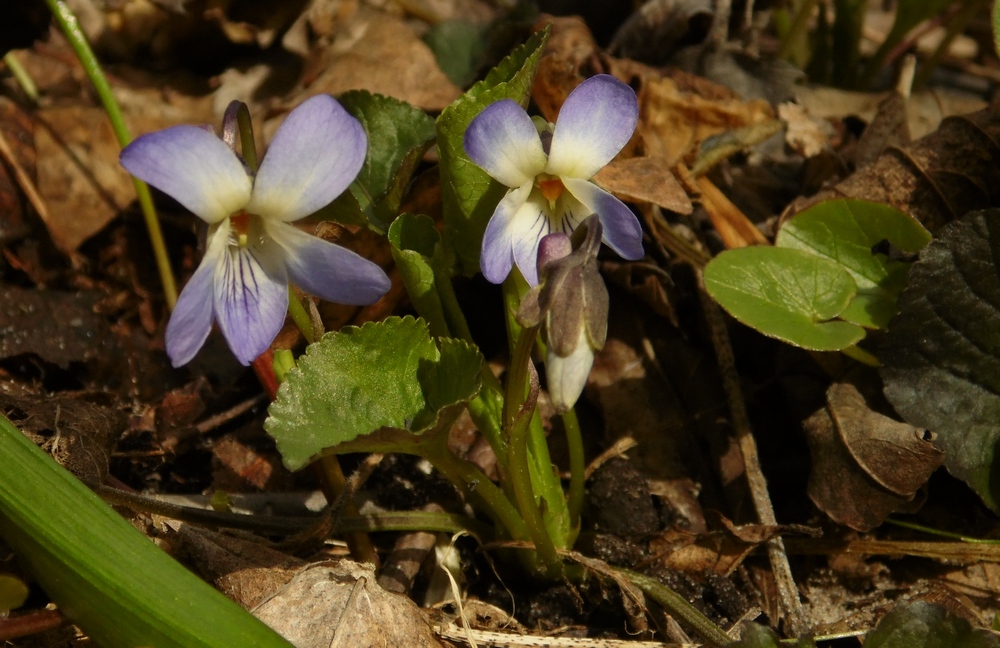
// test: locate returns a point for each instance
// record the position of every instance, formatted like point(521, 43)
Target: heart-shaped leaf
point(788, 294)
point(389, 374)
point(941, 357)
point(415, 240)
point(846, 231)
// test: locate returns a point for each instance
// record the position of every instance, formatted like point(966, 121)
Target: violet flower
point(252, 251)
point(548, 171)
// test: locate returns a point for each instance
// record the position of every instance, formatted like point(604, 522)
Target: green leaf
point(119, 587)
point(468, 195)
point(996, 26)
point(787, 294)
point(13, 593)
point(460, 47)
point(941, 356)
point(758, 636)
point(845, 231)
point(398, 137)
point(919, 624)
point(389, 374)
point(414, 241)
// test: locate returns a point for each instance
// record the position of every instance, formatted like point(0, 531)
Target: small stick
point(788, 593)
point(30, 190)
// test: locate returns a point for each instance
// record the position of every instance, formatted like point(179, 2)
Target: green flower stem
point(299, 315)
point(485, 409)
point(544, 479)
point(864, 357)
point(680, 608)
point(71, 29)
point(23, 78)
point(518, 413)
point(477, 486)
point(577, 467)
point(955, 27)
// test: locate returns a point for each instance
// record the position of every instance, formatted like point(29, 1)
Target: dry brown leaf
point(937, 179)
point(803, 132)
point(887, 129)
point(380, 53)
point(924, 110)
point(78, 434)
point(865, 464)
point(18, 133)
point(645, 179)
point(340, 605)
point(247, 571)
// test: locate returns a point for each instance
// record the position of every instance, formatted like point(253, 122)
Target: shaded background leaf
point(941, 357)
point(920, 624)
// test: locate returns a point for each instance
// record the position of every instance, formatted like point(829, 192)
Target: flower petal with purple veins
point(531, 223)
point(497, 255)
point(329, 271)
point(315, 154)
point(503, 141)
point(251, 297)
point(191, 320)
point(192, 166)
point(622, 231)
point(594, 124)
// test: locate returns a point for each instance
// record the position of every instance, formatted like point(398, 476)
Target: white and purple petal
point(194, 167)
point(497, 255)
point(251, 297)
point(326, 270)
point(191, 320)
point(622, 231)
point(504, 142)
point(595, 123)
point(531, 222)
point(315, 154)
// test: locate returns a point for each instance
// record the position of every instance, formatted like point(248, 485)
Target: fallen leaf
point(78, 434)
point(339, 605)
point(937, 179)
point(379, 53)
point(645, 179)
point(895, 461)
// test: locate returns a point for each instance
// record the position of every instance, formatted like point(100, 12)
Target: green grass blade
point(107, 577)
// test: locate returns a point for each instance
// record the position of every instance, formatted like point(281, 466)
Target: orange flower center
point(552, 189)
point(240, 223)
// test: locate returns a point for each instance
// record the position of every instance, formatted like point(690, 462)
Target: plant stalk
point(71, 29)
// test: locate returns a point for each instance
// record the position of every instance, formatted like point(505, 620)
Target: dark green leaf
point(389, 374)
point(919, 624)
point(787, 294)
point(845, 231)
point(758, 636)
point(119, 587)
point(941, 357)
point(398, 136)
point(469, 196)
point(460, 47)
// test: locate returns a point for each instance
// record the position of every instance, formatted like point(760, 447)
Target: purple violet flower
point(252, 251)
point(548, 171)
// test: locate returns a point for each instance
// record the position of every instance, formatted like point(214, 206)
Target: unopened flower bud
point(571, 304)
